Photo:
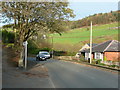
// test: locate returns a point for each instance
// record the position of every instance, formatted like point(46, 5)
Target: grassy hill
point(75, 38)
point(99, 18)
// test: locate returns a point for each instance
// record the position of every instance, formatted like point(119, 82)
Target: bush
point(102, 64)
point(71, 54)
point(33, 48)
point(98, 61)
point(46, 49)
point(105, 59)
point(59, 53)
point(8, 37)
point(93, 61)
point(113, 66)
point(82, 58)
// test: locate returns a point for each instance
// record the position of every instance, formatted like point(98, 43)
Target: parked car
point(43, 55)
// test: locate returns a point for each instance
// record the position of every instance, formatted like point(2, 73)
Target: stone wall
point(66, 58)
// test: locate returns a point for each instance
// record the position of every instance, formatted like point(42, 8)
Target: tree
point(31, 17)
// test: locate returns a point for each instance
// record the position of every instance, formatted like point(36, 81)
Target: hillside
point(100, 18)
point(75, 38)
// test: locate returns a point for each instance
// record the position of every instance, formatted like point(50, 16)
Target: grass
point(75, 36)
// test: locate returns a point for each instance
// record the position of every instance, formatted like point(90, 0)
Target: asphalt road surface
point(69, 75)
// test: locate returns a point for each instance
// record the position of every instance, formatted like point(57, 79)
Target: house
point(85, 47)
point(108, 50)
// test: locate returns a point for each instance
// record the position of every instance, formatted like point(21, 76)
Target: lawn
point(74, 36)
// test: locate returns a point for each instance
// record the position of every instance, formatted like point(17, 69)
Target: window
point(98, 56)
point(86, 56)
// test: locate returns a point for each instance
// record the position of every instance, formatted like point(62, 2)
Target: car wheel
point(37, 59)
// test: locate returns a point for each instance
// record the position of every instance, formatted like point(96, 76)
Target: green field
point(75, 36)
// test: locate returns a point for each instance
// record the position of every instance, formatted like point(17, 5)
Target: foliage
point(100, 18)
point(31, 17)
point(70, 53)
point(8, 26)
point(8, 37)
point(93, 61)
point(102, 64)
point(105, 59)
point(113, 66)
point(98, 61)
point(9, 45)
point(82, 58)
point(34, 49)
point(46, 49)
point(63, 53)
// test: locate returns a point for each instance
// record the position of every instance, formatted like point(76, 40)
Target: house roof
point(111, 45)
point(92, 44)
point(84, 47)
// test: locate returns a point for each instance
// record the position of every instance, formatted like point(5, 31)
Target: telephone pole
point(91, 44)
point(52, 47)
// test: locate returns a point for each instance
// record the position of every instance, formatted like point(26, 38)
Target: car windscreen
point(45, 53)
point(41, 55)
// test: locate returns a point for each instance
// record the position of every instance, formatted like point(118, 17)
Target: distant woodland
point(97, 19)
point(101, 18)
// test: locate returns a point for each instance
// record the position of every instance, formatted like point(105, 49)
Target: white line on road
point(51, 82)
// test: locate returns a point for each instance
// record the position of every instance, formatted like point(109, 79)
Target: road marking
point(51, 82)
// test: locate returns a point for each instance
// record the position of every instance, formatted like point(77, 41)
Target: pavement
point(35, 76)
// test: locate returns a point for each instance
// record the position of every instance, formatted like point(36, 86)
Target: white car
point(44, 54)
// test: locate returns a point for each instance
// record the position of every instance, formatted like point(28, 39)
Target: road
point(55, 74)
point(69, 75)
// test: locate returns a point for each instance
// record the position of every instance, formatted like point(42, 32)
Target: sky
point(83, 9)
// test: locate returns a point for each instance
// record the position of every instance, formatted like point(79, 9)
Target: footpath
point(36, 75)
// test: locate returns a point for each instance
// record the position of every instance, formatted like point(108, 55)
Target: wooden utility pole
point(91, 44)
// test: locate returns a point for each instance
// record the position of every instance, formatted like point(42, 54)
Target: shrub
point(46, 49)
point(93, 61)
point(102, 64)
point(70, 53)
point(96, 61)
point(60, 53)
point(113, 66)
point(33, 48)
point(82, 58)
point(105, 59)
point(8, 37)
